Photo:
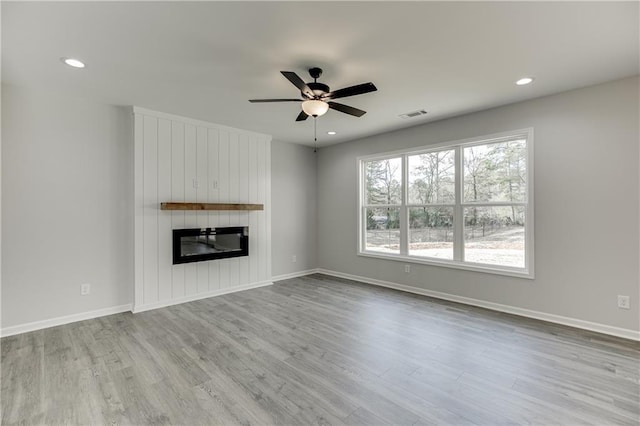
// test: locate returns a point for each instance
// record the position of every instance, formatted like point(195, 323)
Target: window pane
point(431, 232)
point(494, 235)
point(432, 178)
point(383, 230)
point(383, 181)
point(495, 172)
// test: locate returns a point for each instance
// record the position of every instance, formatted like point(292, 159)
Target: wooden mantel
point(210, 206)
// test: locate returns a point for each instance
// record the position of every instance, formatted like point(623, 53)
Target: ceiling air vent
point(413, 114)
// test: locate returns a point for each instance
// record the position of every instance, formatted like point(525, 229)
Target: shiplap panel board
point(202, 166)
point(190, 173)
point(151, 209)
point(177, 194)
point(202, 195)
point(214, 166)
point(164, 218)
point(262, 265)
point(234, 196)
point(212, 183)
point(243, 197)
point(245, 263)
point(190, 279)
point(234, 173)
point(234, 272)
point(253, 219)
point(138, 176)
point(190, 193)
point(266, 240)
point(224, 173)
point(223, 186)
point(234, 177)
point(185, 160)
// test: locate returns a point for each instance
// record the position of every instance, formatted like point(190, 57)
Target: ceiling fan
point(317, 97)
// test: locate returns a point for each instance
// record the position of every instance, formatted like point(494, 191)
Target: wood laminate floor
point(318, 350)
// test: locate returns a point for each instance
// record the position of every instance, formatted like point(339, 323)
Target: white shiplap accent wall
point(180, 159)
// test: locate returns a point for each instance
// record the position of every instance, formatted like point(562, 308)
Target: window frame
point(459, 206)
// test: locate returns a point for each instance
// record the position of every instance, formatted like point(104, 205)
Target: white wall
point(229, 166)
point(293, 197)
point(586, 211)
point(67, 206)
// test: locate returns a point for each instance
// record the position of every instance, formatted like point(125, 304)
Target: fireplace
point(200, 244)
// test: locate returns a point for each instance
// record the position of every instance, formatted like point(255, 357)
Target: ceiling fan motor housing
point(318, 89)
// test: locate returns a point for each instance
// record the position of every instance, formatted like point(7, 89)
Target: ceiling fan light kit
point(315, 108)
point(317, 97)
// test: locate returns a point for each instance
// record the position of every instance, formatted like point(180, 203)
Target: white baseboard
point(572, 322)
point(294, 275)
point(141, 308)
point(39, 325)
point(558, 319)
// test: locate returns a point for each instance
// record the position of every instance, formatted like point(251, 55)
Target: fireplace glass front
point(200, 244)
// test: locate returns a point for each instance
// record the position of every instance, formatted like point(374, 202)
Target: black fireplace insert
point(200, 244)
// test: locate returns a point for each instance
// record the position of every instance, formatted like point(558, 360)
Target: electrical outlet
point(195, 183)
point(623, 302)
point(214, 184)
point(407, 268)
point(85, 289)
point(294, 258)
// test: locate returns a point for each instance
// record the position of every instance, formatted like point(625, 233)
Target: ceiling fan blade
point(302, 116)
point(297, 81)
point(274, 100)
point(351, 91)
point(346, 109)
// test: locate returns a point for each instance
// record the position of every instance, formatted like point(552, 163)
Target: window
point(382, 204)
point(464, 204)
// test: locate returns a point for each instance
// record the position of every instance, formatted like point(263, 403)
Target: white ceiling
point(206, 59)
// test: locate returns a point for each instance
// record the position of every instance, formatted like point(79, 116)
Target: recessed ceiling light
point(331, 133)
point(75, 63)
point(524, 80)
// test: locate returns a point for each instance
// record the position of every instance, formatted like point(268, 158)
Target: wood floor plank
point(364, 417)
point(318, 350)
point(22, 372)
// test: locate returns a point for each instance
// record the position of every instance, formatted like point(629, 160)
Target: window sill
point(487, 269)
